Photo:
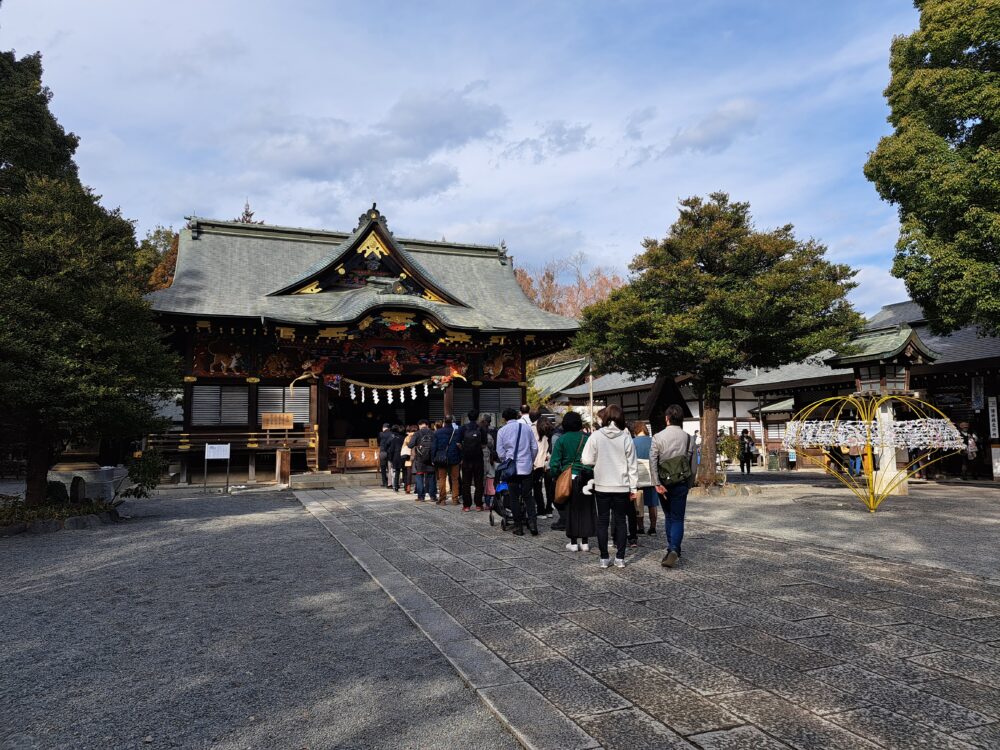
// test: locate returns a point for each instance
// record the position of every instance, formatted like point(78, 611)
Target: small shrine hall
point(343, 331)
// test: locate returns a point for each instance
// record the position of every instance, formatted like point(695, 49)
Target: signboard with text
point(216, 450)
point(276, 420)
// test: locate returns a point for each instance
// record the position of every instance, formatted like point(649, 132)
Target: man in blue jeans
point(517, 441)
point(672, 442)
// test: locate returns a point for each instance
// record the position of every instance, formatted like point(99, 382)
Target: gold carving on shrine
point(373, 246)
point(498, 339)
point(399, 318)
point(253, 380)
point(341, 270)
point(430, 326)
point(190, 379)
point(455, 337)
point(286, 333)
point(313, 288)
point(203, 325)
point(365, 323)
point(339, 332)
point(431, 297)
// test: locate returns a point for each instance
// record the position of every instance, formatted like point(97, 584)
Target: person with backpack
point(616, 475)
point(671, 456)
point(516, 450)
point(472, 439)
point(422, 450)
point(447, 460)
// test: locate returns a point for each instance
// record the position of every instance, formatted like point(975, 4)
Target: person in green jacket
point(578, 517)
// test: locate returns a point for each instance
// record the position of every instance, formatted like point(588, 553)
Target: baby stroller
point(501, 506)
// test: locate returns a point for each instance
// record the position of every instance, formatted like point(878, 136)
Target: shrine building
point(344, 331)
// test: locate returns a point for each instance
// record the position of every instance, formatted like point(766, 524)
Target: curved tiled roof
point(233, 270)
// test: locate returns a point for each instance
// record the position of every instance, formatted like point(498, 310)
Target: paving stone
point(612, 581)
point(986, 736)
point(901, 648)
point(703, 619)
point(614, 630)
point(438, 625)
point(781, 651)
point(896, 669)
point(776, 626)
point(569, 688)
point(595, 655)
point(846, 649)
point(491, 591)
point(966, 667)
point(439, 586)
point(791, 724)
point(688, 670)
point(742, 738)
point(459, 570)
point(477, 665)
point(539, 569)
point(630, 729)
point(679, 708)
point(895, 730)
point(556, 599)
point(530, 615)
point(895, 696)
point(972, 695)
point(470, 609)
point(484, 561)
point(945, 641)
point(516, 578)
point(632, 611)
point(505, 551)
point(510, 642)
point(534, 721)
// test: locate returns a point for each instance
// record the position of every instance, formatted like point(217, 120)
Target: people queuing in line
point(650, 499)
point(517, 444)
point(541, 488)
point(447, 460)
point(406, 452)
point(612, 454)
point(471, 441)
point(608, 495)
point(578, 516)
point(425, 474)
point(671, 456)
point(384, 438)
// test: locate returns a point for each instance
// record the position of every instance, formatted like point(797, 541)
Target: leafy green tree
point(31, 140)
point(80, 354)
point(941, 165)
point(714, 296)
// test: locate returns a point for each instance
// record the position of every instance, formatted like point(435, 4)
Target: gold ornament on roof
point(373, 246)
point(312, 288)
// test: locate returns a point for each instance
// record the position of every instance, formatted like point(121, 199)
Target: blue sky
point(561, 127)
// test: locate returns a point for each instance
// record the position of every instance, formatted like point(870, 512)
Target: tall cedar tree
point(941, 165)
point(715, 296)
point(80, 355)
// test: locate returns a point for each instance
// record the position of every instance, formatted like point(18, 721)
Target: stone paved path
point(751, 643)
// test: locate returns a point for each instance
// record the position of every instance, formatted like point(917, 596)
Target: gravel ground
point(216, 623)
point(953, 526)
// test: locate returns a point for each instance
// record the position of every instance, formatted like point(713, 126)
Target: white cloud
point(557, 138)
point(636, 121)
point(718, 130)
point(877, 287)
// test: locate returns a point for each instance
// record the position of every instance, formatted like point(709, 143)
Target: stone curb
point(50, 525)
point(532, 719)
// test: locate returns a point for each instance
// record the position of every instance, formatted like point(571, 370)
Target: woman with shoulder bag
point(578, 511)
point(643, 442)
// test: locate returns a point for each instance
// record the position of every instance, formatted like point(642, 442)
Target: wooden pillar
point(449, 400)
point(322, 425)
point(185, 477)
point(252, 467)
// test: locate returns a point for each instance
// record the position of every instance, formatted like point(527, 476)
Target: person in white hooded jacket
point(611, 452)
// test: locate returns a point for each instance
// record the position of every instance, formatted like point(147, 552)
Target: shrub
point(13, 510)
point(144, 472)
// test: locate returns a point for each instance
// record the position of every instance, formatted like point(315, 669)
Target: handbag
point(564, 482)
point(507, 469)
point(645, 475)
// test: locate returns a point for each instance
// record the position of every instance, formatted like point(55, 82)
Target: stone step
point(324, 480)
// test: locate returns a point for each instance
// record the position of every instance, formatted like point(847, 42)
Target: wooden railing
point(181, 443)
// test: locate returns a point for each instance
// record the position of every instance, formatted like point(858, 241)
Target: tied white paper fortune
point(913, 433)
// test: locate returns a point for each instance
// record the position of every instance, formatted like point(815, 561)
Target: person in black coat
point(394, 448)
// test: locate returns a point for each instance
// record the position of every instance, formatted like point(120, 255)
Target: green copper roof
point(884, 344)
point(555, 378)
point(229, 269)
